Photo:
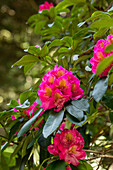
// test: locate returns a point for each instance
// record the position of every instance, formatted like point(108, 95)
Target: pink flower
point(68, 167)
point(13, 117)
point(72, 154)
point(30, 111)
point(100, 54)
point(68, 145)
point(46, 5)
point(57, 87)
point(38, 47)
point(53, 149)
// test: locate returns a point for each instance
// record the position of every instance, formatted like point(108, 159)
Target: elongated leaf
point(111, 117)
point(31, 96)
point(74, 111)
point(14, 129)
point(13, 103)
point(27, 59)
point(44, 142)
point(72, 119)
point(57, 165)
point(108, 100)
point(6, 114)
point(26, 142)
point(34, 50)
point(103, 23)
point(66, 3)
point(81, 104)
point(28, 67)
point(28, 124)
point(82, 166)
point(104, 64)
point(3, 133)
point(55, 43)
point(100, 89)
point(52, 122)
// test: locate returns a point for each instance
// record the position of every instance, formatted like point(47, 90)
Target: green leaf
point(44, 142)
point(14, 129)
point(28, 67)
point(52, 122)
point(28, 124)
point(81, 104)
point(17, 149)
point(52, 12)
point(104, 64)
point(56, 43)
point(72, 119)
point(44, 51)
point(13, 103)
point(65, 3)
point(82, 166)
point(39, 25)
point(25, 144)
point(81, 33)
point(100, 89)
point(34, 50)
point(28, 95)
point(102, 23)
point(67, 41)
point(3, 133)
point(100, 32)
point(111, 117)
point(6, 114)
point(108, 100)
point(57, 165)
point(27, 59)
point(74, 111)
point(63, 50)
point(25, 105)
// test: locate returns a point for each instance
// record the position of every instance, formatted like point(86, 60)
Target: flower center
point(73, 87)
point(51, 79)
point(57, 96)
point(100, 55)
point(69, 136)
point(73, 149)
point(48, 91)
point(62, 83)
point(60, 73)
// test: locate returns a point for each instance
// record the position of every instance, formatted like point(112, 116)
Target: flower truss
point(100, 54)
point(46, 5)
point(57, 87)
point(68, 145)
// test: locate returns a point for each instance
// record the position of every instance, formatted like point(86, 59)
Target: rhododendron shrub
point(67, 96)
point(57, 87)
point(68, 145)
point(100, 53)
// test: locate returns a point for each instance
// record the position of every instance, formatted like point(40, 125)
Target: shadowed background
point(15, 36)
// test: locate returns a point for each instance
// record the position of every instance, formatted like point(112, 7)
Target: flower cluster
point(100, 54)
point(46, 5)
point(68, 145)
point(57, 87)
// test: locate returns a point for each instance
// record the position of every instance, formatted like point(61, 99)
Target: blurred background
point(16, 36)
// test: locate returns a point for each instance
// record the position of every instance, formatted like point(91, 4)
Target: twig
point(99, 153)
point(109, 6)
point(86, 52)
